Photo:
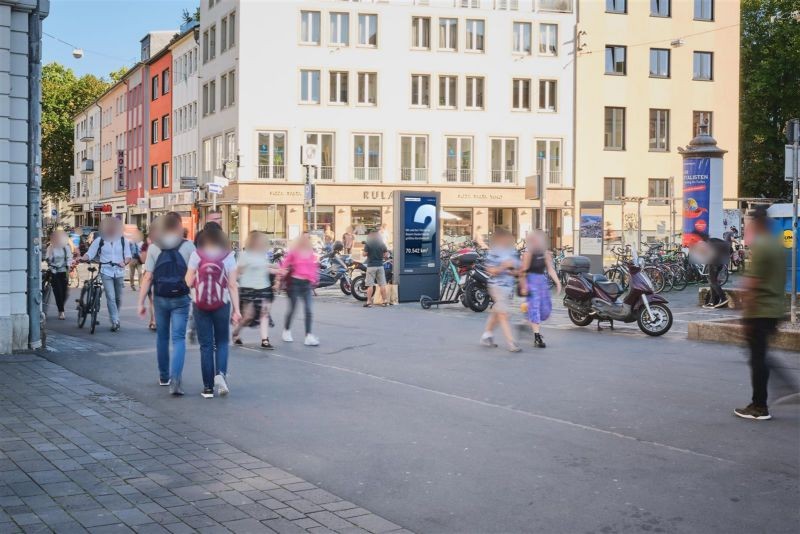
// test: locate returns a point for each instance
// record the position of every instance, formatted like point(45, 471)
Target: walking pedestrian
point(375, 251)
point(763, 308)
point(143, 255)
point(537, 264)
point(255, 291)
point(502, 263)
point(59, 261)
point(165, 272)
point(348, 238)
point(136, 264)
point(300, 273)
point(114, 253)
point(715, 253)
point(212, 277)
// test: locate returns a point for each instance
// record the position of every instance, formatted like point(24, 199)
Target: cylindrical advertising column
point(702, 189)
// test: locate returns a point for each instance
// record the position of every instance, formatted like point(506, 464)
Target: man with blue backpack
point(165, 270)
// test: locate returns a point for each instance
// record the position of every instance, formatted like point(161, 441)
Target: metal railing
point(367, 174)
point(553, 177)
point(325, 173)
point(507, 176)
point(272, 172)
point(410, 174)
point(458, 175)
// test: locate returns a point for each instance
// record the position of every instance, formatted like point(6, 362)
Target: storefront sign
point(141, 203)
point(121, 181)
point(696, 198)
point(188, 182)
point(157, 202)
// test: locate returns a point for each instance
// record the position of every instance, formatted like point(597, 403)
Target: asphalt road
point(400, 411)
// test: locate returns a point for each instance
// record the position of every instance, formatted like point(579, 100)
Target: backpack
point(103, 242)
point(210, 283)
point(169, 274)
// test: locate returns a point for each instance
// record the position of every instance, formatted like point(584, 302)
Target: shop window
point(323, 219)
point(233, 226)
point(456, 225)
point(364, 219)
point(505, 217)
point(271, 220)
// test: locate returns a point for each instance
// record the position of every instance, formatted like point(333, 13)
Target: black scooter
point(593, 296)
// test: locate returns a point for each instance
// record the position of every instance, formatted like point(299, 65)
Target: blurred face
point(58, 238)
point(303, 242)
point(536, 241)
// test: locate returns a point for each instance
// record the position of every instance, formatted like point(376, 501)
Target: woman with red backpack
point(212, 276)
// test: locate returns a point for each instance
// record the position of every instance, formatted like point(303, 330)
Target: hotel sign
point(121, 181)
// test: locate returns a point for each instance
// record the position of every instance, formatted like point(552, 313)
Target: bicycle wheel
point(82, 305)
point(669, 278)
point(47, 290)
point(724, 274)
point(615, 274)
point(680, 281)
point(95, 309)
point(656, 277)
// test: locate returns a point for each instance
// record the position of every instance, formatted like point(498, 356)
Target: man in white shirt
point(114, 252)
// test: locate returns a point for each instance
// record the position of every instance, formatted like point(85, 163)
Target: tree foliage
point(770, 78)
point(189, 16)
point(63, 96)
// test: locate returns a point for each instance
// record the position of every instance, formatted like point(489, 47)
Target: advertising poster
point(696, 195)
point(591, 231)
point(420, 232)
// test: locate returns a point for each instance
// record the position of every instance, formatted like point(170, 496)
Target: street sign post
point(214, 189)
point(310, 156)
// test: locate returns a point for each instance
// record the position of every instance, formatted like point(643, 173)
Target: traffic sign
point(214, 188)
point(54, 213)
point(788, 160)
point(188, 182)
point(310, 155)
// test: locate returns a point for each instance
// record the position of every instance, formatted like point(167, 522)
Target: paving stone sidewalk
point(78, 457)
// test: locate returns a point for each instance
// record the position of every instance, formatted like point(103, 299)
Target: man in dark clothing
point(716, 254)
point(375, 251)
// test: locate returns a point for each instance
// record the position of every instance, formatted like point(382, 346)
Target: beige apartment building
point(112, 163)
point(648, 74)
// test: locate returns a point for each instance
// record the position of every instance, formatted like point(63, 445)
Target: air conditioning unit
point(87, 166)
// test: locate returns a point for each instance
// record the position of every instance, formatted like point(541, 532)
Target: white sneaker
point(287, 336)
point(311, 340)
point(221, 385)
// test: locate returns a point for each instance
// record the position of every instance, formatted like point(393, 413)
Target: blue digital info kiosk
point(416, 244)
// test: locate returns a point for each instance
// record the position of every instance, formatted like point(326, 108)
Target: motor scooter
point(593, 296)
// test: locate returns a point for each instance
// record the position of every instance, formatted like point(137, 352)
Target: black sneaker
point(760, 413)
point(538, 341)
point(265, 344)
point(208, 393)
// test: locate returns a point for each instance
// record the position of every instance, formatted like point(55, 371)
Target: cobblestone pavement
point(76, 456)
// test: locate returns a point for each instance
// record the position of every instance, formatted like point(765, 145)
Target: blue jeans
point(213, 334)
point(113, 289)
point(171, 315)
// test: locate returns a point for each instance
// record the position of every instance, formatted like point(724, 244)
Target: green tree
point(63, 96)
point(117, 75)
point(770, 83)
point(189, 16)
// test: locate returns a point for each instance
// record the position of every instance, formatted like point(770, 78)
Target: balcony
point(458, 175)
point(86, 136)
point(272, 172)
point(504, 176)
point(87, 166)
point(553, 178)
point(325, 173)
point(367, 174)
point(409, 174)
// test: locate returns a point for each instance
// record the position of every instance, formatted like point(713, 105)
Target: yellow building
point(649, 73)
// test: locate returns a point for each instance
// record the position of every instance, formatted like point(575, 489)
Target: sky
point(108, 31)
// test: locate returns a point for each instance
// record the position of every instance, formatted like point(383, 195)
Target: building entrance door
point(553, 220)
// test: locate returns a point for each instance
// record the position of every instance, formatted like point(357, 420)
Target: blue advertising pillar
point(416, 244)
point(702, 188)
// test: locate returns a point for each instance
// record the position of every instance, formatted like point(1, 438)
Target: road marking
point(131, 352)
point(510, 409)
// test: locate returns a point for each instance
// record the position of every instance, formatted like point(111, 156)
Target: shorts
point(376, 275)
point(501, 295)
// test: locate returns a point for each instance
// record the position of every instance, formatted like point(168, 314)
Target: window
point(548, 160)
point(414, 158)
point(212, 96)
point(659, 130)
point(223, 91)
point(660, 8)
point(368, 30)
point(548, 95)
point(659, 63)
point(205, 46)
point(548, 39)
point(504, 160)
point(701, 122)
point(154, 132)
point(154, 177)
point(270, 220)
point(231, 30)
point(420, 90)
point(616, 60)
point(218, 154)
point(368, 88)
point(340, 29)
point(309, 86)
point(223, 34)
point(165, 82)
point(521, 94)
point(367, 157)
point(448, 34)
point(309, 27)
point(703, 65)
point(154, 88)
point(616, 6)
point(613, 189)
point(212, 42)
point(231, 88)
point(421, 33)
point(506, 5)
point(459, 159)
point(324, 142)
point(230, 146)
point(474, 92)
point(271, 155)
point(447, 91)
point(165, 127)
point(614, 129)
point(522, 37)
point(471, 3)
point(338, 87)
point(165, 175)
point(560, 6)
point(207, 158)
point(476, 34)
point(704, 10)
point(658, 189)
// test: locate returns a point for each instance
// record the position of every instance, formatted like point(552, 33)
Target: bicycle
point(91, 295)
point(47, 288)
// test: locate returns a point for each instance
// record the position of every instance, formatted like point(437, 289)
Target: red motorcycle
point(593, 296)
